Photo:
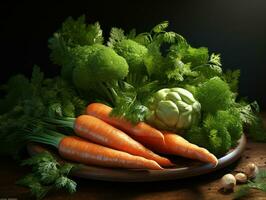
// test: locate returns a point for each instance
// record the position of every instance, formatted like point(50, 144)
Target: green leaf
point(41, 157)
point(61, 182)
point(66, 183)
point(47, 174)
point(71, 186)
point(249, 115)
point(160, 27)
point(77, 32)
point(214, 95)
point(261, 175)
point(36, 188)
point(215, 59)
point(242, 191)
point(66, 168)
point(232, 78)
point(94, 35)
point(60, 52)
point(116, 35)
point(143, 38)
point(196, 56)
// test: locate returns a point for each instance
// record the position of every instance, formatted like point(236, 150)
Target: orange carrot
point(141, 132)
point(177, 145)
point(100, 132)
point(82, 151)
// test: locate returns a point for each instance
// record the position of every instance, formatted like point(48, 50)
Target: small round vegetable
point(174, 109)
point(228, 182)
point(241, 178)
point(252, 170)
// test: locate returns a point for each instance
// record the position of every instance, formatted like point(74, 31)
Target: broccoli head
point(97, 63)
point(134, 53)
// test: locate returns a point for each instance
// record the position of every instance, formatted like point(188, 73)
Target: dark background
point(236, 29)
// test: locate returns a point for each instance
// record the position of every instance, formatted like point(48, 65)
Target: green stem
point(107, 93)
point(112, 92)
point(65, 122)
point(50, 137)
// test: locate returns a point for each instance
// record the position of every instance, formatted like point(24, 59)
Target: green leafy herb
point(160, 27)
point(47, 175)
point(250, 116)
point(214, 95)
point(232, 78)
point(220, 131)
point(116, 35)
point(31, 100)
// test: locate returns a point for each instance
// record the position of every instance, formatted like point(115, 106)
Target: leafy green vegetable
point(196, 56)
point(220, 131)
point(132, 102)
point(214, 95)
point(220, 140)
point(160, 27)
point(77, 32)
point(249, 114)
point(232, 78)
point(73, 33)
point(97, 64)
point(116, 36)
point(134, 54)
point(34, 99)
point(47, 175)
point(166, 66)
point(174, 109)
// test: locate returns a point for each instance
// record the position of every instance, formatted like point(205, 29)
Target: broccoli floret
point(98, 63)
point(214, 95)
point(134, 53)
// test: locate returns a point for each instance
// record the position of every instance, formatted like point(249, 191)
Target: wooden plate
point(185, 167)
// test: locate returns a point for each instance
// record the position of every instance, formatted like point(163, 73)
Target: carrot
point(177, 145)
point(100, 132)
point(79, 150)
point(141, 132)
point(76, 149)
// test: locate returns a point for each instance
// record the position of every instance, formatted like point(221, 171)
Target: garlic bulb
point(228, 182)
point(241, 178)
point(252, 170)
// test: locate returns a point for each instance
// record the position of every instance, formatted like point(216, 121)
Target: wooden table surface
point(205, 187)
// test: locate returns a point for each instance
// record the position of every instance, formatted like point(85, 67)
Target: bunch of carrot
point(113, 142)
